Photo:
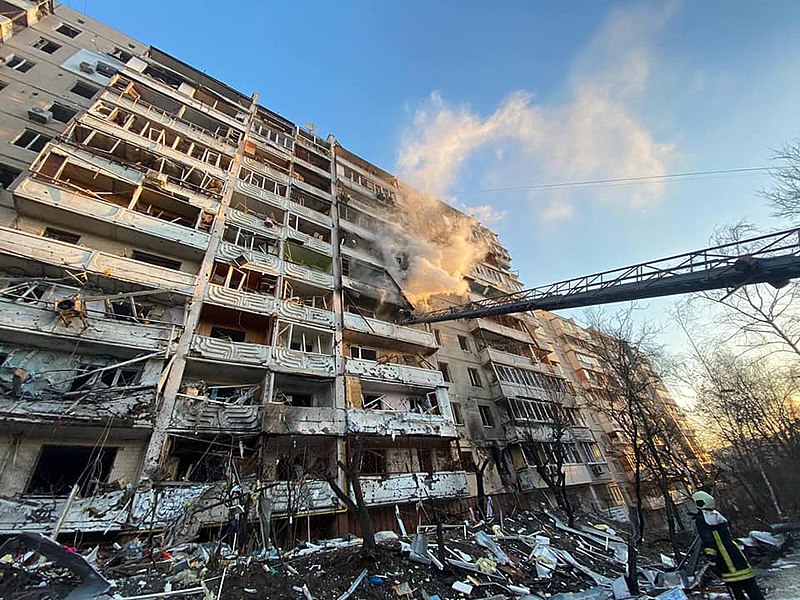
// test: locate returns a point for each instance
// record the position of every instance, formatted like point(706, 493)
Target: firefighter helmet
point(704, 501)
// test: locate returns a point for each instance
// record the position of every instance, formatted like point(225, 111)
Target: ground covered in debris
point(528, 555)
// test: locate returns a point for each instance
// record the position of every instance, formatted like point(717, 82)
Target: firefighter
point(727, 561)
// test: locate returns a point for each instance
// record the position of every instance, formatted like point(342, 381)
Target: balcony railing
point(75, 203)
point(395, 373)
point(576, 474)
point(42, 320)
point(385, 330)
point(69, 256)
point(272, 265)
point(203, 415)
point(284, 419)
point(275, 357)
point(268, 305)
point(409, 487)
point(509, 332)
point(489, 354)
point(401, 423)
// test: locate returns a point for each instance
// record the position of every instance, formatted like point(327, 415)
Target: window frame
point(69, 29)
point(22, 64)
point(458, 416)
point(487, 418)
point(34, 144)
point(475, 379)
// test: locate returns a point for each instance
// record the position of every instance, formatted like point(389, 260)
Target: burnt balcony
point(410, 487)
point(30, 247)
point(512, 355)
point(25, 318)
point(508, 328)
point(576, 474)
point(42, 199)
point(367, 329)
point(199, 414)
point(285, 419)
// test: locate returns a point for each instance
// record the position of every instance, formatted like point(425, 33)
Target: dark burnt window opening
point(59, 468)
point(231, 335)
point(373, 462)
point(7, 176)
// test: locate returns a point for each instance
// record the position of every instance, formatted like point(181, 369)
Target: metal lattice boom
point(772, 258)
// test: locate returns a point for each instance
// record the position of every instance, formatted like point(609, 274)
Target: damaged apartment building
point(201, 304)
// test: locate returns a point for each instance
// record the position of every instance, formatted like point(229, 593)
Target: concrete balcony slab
point(394, 373)
point(61, 254)
point(375, 328)
point(399, 423)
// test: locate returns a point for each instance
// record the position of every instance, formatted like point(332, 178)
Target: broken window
point(458, 418)
point(46, 45)
point(424, 459)
point(62, 113)
point(84, 90)
point(59, 468)
point(437, 336)
point(231, 335)
point(463, 343)
point(91, 377)
point(444, 368)
point(467, 461)
point(120, 54)
point(251, 241)
point(68, 30)
point(373, 462)
point(158, 261)
point(372, 401)
point(32, 140)
point(487, 419)
point(7, 175)
point(474, 377)
point(61, 235)
point(23, 65)
point(363, 353)
point(128, 309)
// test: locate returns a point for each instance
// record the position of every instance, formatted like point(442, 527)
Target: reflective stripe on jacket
point(720, 549)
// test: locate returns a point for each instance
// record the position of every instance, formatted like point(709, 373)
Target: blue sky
point(461, 97)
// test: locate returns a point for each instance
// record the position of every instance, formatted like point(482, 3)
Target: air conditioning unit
point(106, 70)
point(39, 115)
point(598, 470)
point(86, 67)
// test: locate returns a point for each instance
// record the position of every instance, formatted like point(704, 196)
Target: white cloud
point(595, 133)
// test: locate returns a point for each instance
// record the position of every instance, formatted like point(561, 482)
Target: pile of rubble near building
point(526, 555)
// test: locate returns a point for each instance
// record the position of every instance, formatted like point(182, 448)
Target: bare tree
point(664, 458)
point(761, 317)
point(549, 452)
point(784, 196)
point(356, 505)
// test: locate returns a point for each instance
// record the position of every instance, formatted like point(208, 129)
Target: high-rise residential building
point(202, 312)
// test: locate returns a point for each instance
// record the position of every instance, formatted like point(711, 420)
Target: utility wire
point(621, 180)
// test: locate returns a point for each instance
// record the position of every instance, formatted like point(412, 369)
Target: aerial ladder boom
point(772, 258)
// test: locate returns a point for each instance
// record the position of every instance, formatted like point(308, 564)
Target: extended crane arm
point(773, 258)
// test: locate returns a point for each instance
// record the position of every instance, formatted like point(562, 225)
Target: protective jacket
point(719, 548)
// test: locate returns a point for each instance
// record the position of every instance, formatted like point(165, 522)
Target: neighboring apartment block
point(198, 298)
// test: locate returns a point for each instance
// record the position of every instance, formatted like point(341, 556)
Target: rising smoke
point(432, 248)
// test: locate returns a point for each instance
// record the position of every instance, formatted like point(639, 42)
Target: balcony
point(375, 328)
point(384, 293)
point(395, 373)
point(410, 487)
point(202, 415)
point(527, 431)
point(496, 328)
point(275, 357)
point(268, 305)
point(283, 419)
point(505, 358)
point(310, 241)
point(359, 230)
point(361, 255)
point(307, 187)
point(42, 320)
point(576, 474)
point(272, 265)
point(167, 119)
point(255, 222)
point(149, 145)
point(400, 423)
point(131, 407)
point(311, 214)
point(44, 200)
point(68, 256)
point(513, 390)
point(266, 196)
point(272, 172)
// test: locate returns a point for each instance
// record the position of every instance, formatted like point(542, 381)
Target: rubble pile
point(529, 556)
